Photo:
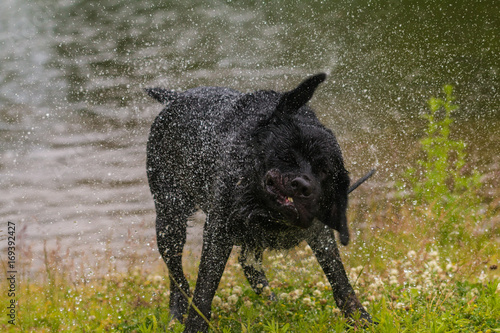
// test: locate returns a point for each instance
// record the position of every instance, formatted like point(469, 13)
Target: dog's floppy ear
point(338, 221)
point(162, 95)
point(291, 101)
point(336, 207)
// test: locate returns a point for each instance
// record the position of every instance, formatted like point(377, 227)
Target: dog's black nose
point(302, 186)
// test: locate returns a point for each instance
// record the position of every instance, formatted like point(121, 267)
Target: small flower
point(433, 266)
point(317, 293)
point(237, 291)
point(295, 294)
point(217, 301)
point(411, 254)
point(284, 296)
point(233, 299)
point(399, 305)
point(451, 268)
point(434, 254)
point(307, 301)
point(365, 304)
point(320, 285)
point(266, 291)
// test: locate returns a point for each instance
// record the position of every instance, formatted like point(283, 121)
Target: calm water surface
point(74, 120)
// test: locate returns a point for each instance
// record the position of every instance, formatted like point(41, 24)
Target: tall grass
point(446, 194)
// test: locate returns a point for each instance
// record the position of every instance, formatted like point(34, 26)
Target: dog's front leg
point(327, 253)
point(251, 262)
point(217, 247)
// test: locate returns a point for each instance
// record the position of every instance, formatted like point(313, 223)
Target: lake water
point(74, 119)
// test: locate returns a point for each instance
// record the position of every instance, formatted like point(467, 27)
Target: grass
point(427, 262)
point(422, 291)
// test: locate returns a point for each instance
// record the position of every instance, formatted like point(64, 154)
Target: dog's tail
point(163, 96)
point(361, 181)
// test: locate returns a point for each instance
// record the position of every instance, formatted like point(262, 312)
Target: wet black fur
point(267, 174)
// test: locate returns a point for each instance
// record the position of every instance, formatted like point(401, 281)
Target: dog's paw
point(272, 297)
point(178, 306)
point(362, 319)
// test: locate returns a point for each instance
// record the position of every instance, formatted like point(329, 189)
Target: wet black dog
point(266, 172)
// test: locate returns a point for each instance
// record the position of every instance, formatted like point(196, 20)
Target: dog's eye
point(322, 172)
point(288, 159)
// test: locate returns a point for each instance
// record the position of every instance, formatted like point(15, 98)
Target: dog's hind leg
point(251, 261)
point(173, 207)
point(172, 211)
point(214, 255)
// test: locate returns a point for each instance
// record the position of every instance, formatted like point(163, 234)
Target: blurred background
point(74, 119)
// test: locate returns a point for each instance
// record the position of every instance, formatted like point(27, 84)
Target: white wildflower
point(233, 299)
point(399, 305)
point(317, 293)
point(393, 280)
point(451, 268)
point(434, 254)
point(284, 296)
point(295, 294)
point(217, 301)
point(237, 291)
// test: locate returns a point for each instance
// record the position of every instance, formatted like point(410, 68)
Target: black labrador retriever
point(267, 174)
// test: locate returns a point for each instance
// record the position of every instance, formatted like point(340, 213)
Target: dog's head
point(302, 175)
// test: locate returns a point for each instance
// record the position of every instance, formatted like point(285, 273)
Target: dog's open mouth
point(294, 211)
point(284, 200)
point(281, 198)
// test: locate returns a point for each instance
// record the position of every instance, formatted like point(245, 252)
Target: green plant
point(439, 183)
